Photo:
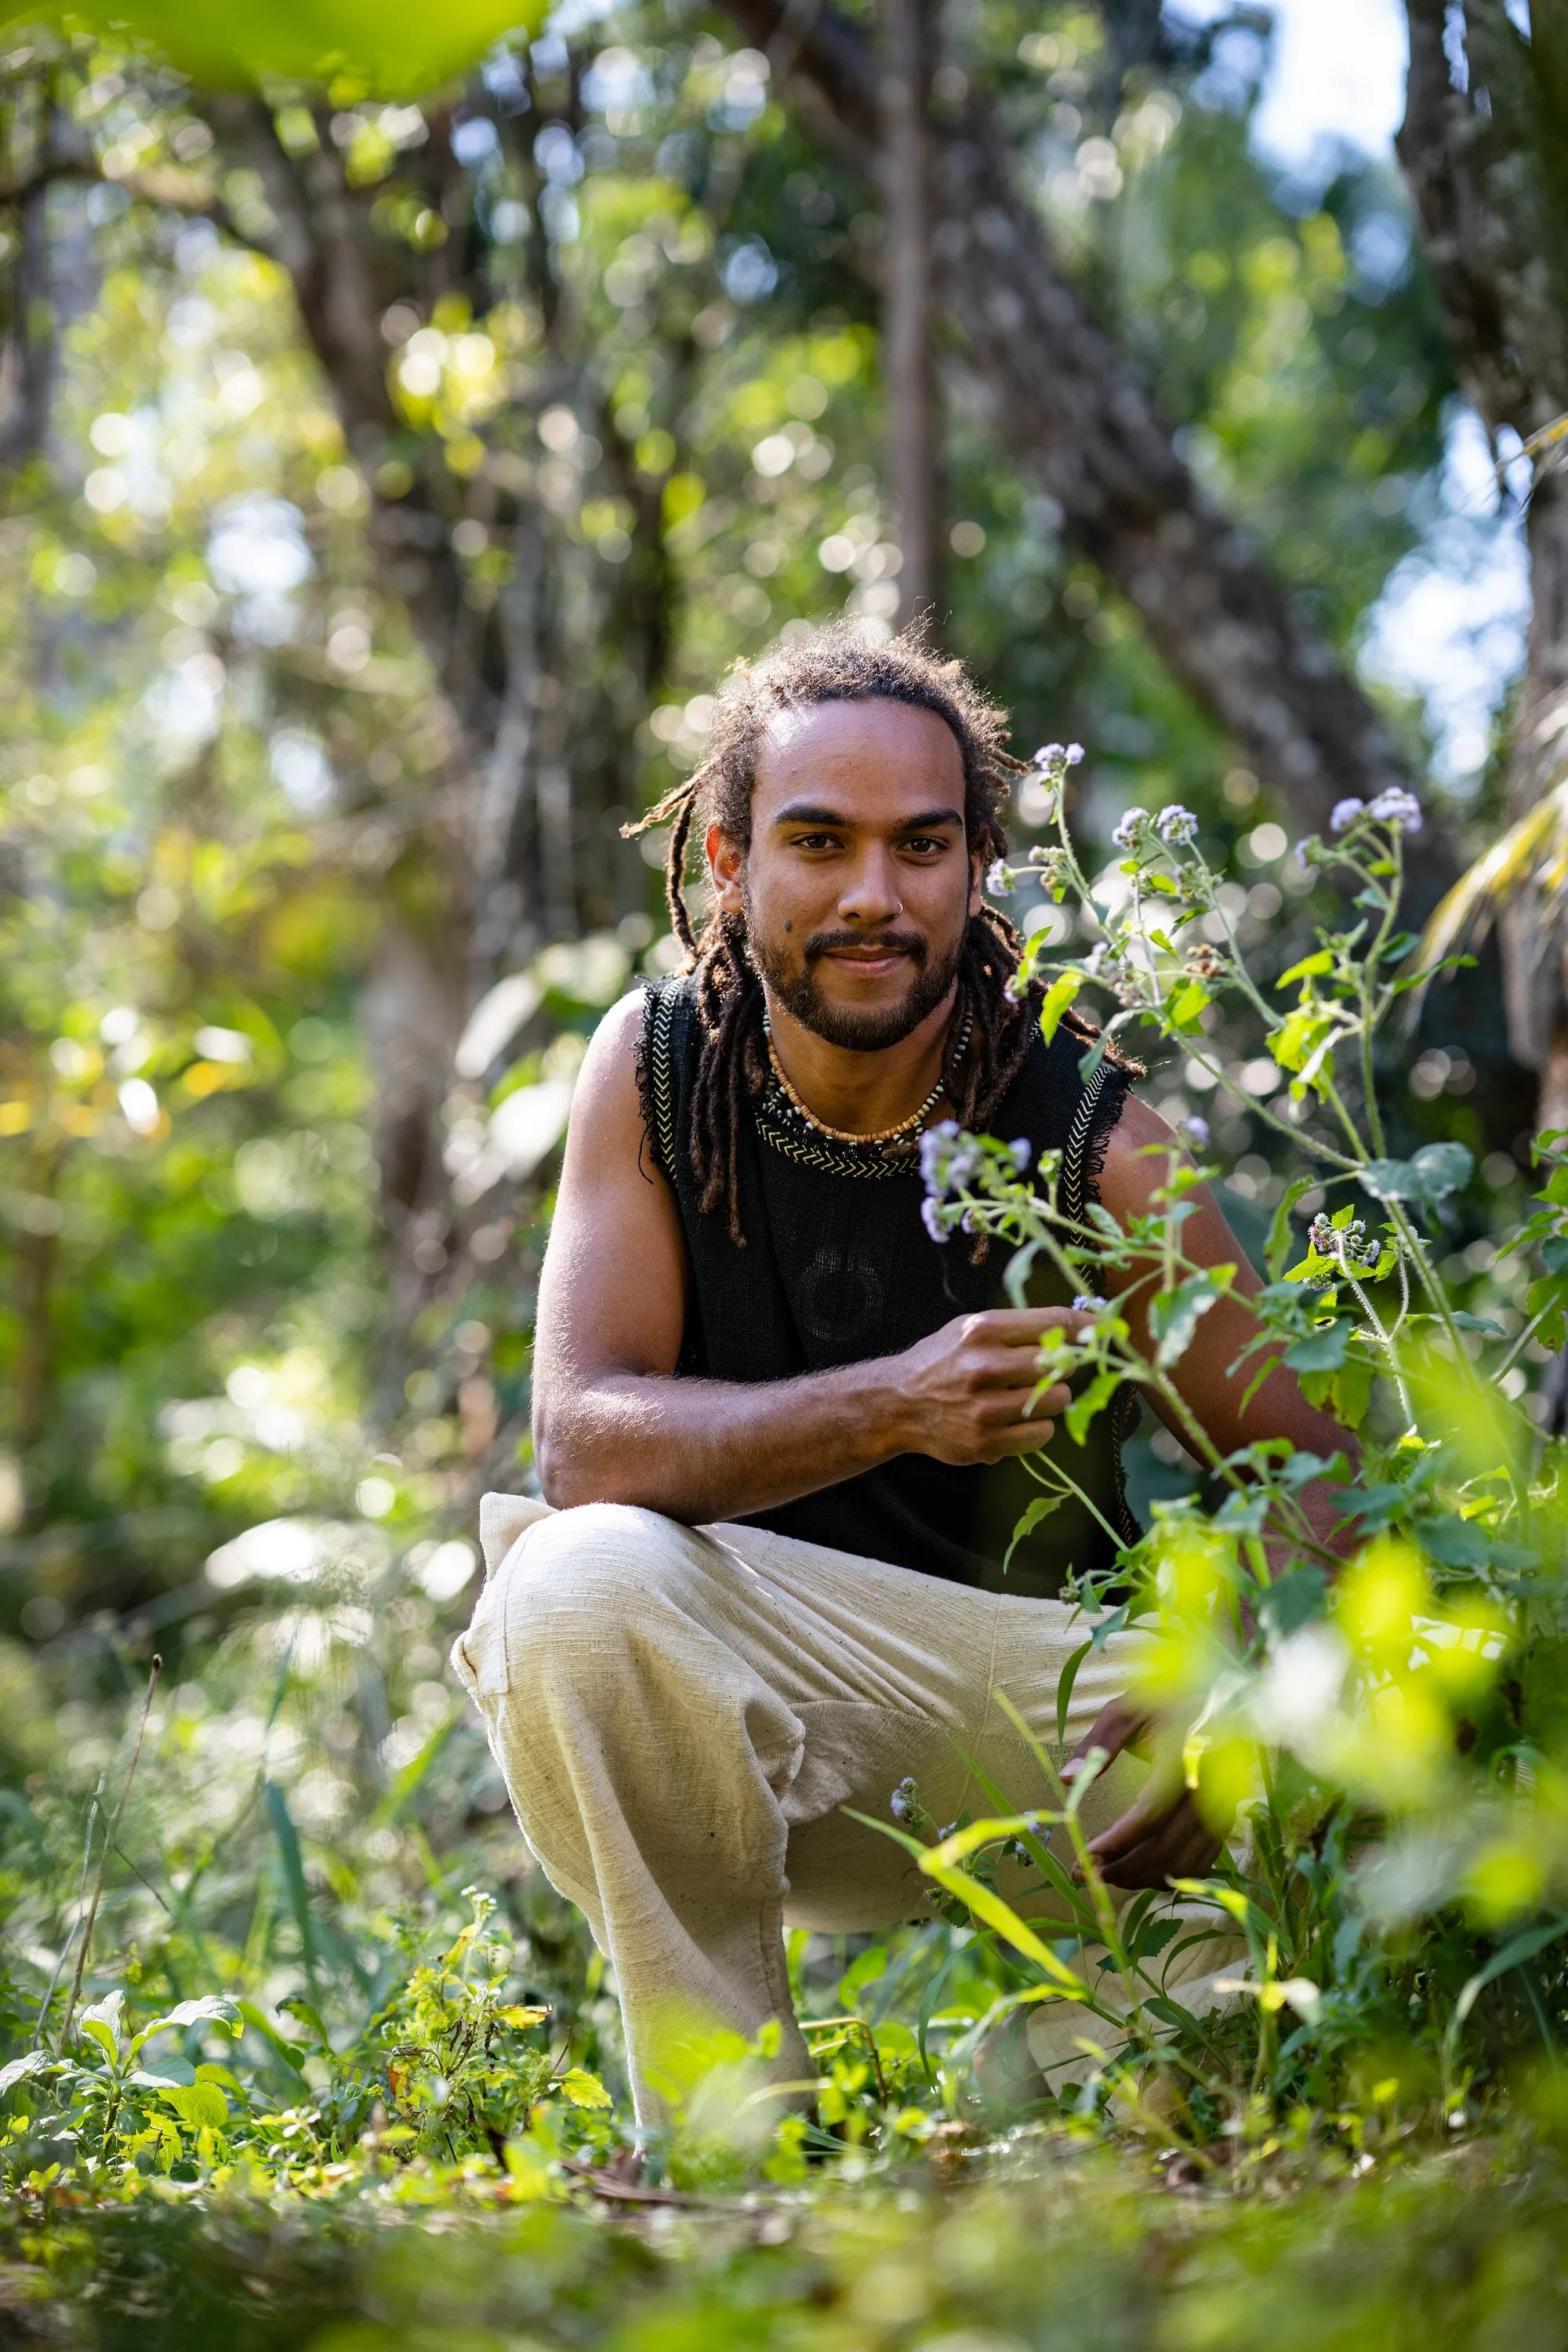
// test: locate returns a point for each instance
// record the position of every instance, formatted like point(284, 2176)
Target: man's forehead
point(844, 729)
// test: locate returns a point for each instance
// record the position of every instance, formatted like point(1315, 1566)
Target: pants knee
point(588, 1580)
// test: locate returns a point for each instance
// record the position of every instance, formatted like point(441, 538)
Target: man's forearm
point(704, 1450)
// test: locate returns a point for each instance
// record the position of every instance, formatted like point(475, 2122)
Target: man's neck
point(861, 1094)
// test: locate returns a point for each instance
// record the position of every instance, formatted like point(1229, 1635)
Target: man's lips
point(872, 962)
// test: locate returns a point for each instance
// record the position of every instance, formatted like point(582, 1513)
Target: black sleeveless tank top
point(839, 1267)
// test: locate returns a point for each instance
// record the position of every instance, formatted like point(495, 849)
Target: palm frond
point(1532, 855)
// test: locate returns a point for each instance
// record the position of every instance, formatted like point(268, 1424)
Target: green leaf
point(1058, 996)
point(1065, 1689)
point(37, 2061)
point(1293, 1600)
point(1173, 1315)
point(1279, 1242)
point(1434, 1171)
point(1454, 1542)
point(1519, 1947)
point(164, 2073)
point(102, 2020)
point(580, 2089)
point(1040, 1508)
point(396, 48)
point(1094, 1400)
point(198, 2104)
point(1324, 1350)
point(1308, 968)
point(1187, 1006)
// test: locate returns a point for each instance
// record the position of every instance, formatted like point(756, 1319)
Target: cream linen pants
point(683, 1712)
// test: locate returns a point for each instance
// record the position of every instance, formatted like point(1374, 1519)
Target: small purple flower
point(1023, 1151)
point(1127, 832)
point(1396, 806)
point(1000, 879)
point(1199, 1130)
point(1176, 826)
point(1345, 813)
point(930, 1217)
point(1085, 1303)
point(1051, 755)
point(902, 1799)
point(1306, 852)
point(1073, 754)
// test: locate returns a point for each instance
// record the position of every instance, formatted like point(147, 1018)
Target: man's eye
point(816, 841)
point(922, 843)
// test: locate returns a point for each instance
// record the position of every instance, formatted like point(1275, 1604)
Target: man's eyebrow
point(817, 812)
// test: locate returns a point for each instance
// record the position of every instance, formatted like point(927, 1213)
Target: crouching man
point(779, 1429)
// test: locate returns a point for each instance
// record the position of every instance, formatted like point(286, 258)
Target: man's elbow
point(572, 1470)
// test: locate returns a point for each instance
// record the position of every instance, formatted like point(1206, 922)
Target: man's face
point(857, 885)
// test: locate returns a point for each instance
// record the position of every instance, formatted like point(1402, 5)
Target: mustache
point(908, 943)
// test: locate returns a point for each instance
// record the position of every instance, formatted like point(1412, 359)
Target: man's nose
point(872, 894)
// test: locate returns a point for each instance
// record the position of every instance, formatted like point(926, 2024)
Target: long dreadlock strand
point(674, 876)
point(730, 1064)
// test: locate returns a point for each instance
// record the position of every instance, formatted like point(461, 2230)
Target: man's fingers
point(1159, 1859)
point(1016, 1326)
point(1117, 1725)
point(1018, 1438)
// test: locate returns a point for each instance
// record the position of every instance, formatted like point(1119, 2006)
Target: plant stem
point(89, 1923)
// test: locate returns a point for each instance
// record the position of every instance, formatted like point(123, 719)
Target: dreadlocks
point(837, 664)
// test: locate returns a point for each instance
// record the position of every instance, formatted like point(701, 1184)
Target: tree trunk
point(1485, 148)
point(1072, 412)
point(909, 367)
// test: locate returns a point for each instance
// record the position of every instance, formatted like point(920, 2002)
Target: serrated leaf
point(1040, 1508)
point(1322, 1350)
point(580, 2089)
point(1058, 996)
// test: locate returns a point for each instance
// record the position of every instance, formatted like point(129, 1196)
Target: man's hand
point(969, 1389)
point(1162, 1835)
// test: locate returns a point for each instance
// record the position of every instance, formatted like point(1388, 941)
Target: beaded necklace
point(906, 1127)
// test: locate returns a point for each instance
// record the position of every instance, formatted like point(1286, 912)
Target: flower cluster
point(904, 1800)
point(1001, 878)
point(1057, 756)
point(1085, 1303)
point(1394, 806)
point(1348, 1246)
point(1176, 826)
point(1196, 1130)
point(1205, 962)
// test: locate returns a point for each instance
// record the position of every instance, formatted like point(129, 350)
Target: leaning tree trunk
point(909, 361)
point(1485, 149)
point(1072, 412)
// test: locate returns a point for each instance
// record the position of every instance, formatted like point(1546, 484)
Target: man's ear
point(976, 881)
point(726, 861)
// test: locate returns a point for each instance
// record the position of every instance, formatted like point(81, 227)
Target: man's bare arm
point(1220, 1366)
point(1163, 1834)
point(613, 1423)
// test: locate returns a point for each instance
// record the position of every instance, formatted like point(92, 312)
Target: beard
point(856, 1030)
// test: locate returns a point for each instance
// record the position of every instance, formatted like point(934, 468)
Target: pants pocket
point(481, 1658)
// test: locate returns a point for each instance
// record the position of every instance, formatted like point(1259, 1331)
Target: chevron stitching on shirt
point(1074, 1163)
point(661, 1076)
point(821, 1155)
